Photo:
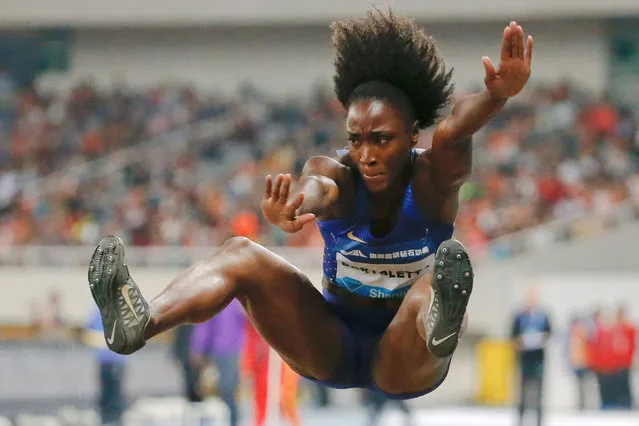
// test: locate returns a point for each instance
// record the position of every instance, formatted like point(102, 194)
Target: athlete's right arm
point(314, 195)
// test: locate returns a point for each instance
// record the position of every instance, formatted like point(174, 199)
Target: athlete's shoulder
point(426, 198)
point(326, 166)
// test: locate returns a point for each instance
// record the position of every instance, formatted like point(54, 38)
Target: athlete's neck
point(387, 201)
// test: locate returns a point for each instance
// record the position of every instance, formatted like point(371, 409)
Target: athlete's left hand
point(279, 209)
point(514, 68)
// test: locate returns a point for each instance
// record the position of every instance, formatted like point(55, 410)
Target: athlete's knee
point(389, 384)
point(247, 263)
point(235, 244)
point(230, 265)
point(239, 254)
point(394, 381)
point(322, 371)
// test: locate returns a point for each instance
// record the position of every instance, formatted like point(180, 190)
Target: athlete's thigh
point(402, 363)
point(291, 315)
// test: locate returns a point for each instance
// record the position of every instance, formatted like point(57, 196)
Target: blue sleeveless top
point(380, 267)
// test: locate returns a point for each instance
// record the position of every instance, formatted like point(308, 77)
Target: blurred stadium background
point(157, 120)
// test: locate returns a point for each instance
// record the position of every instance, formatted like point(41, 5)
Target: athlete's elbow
point(330, 191)
point(323, 189)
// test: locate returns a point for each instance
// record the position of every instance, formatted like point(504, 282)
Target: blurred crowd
point(201, 195)
point(553, 153)
point(42, 132)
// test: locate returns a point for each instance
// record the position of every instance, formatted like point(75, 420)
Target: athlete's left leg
point(414, 353)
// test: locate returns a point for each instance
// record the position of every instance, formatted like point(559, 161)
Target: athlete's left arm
point(451, 152)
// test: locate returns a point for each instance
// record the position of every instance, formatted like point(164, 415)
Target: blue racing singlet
point(380, 267)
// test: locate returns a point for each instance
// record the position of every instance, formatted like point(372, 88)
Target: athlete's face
point(379, 142)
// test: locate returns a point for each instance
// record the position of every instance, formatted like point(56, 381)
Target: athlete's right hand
point(281, 211)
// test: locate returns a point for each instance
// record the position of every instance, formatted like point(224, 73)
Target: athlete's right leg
point(279, 299)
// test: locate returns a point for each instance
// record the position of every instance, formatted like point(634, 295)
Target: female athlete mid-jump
point(395, 286)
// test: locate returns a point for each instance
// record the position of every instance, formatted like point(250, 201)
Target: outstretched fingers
point(489, 67)
point(279, 190)
point(285, 189)
point(513, 40)
point(520, 42)
point(269, 187)
point(529, 50)
point(298, 222)
point(275, 194)
point(523, 42)
point(297, 203)
point(505, 44)
point(515, 45)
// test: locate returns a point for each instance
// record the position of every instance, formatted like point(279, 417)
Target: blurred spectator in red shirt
point(611, 351)
point(625, 346)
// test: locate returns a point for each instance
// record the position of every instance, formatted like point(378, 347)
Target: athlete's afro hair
point(391, 48)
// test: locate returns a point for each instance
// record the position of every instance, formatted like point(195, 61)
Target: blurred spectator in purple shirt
point(220, 341)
